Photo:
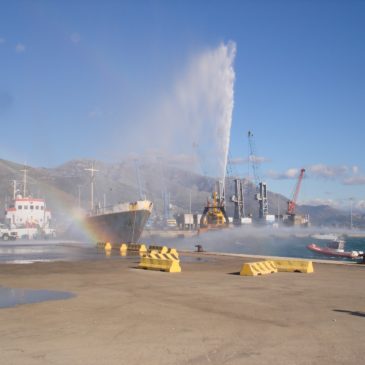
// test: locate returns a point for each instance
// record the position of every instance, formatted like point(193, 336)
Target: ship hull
point(331, 252)
point(118, 227)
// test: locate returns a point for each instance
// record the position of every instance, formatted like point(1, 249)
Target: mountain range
point(67, 187)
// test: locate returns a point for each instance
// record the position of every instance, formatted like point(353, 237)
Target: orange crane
point(293, 202)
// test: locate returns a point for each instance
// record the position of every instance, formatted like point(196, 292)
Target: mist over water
point(265, 241)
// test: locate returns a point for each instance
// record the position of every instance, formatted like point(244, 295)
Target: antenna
point(92, 170)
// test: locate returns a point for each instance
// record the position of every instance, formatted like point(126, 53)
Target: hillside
point(61, 187)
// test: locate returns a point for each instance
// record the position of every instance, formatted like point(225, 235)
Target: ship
point(26, 216)
point(120, 223)
point(335, 248)
point(214, 215)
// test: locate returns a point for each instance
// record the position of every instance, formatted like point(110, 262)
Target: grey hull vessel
point(120, 223)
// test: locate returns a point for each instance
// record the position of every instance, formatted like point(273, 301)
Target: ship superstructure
point(27, 216)
point(27, 212)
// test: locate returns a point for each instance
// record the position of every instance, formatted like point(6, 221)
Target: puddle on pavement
point(10, 297)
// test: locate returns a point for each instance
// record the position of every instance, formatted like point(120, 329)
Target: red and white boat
point(27, 217)
point(335, 248)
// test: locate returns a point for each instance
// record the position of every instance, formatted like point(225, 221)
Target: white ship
point(27, 217)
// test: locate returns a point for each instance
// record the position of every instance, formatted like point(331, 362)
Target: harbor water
point(283, 245)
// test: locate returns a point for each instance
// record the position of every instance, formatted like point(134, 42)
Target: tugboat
point(335, 248)
point(214, 215)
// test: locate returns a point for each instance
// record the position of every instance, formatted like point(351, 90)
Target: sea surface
point(252, 243)
point(266, 243)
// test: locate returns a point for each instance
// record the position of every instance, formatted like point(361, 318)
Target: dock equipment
point(237, 199)
point(292, 218)
point(261, 187)
point(199, 248)
point(160, 262)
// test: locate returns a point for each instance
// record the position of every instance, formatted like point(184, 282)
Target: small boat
point(335, 248)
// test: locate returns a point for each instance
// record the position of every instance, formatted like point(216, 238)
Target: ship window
point(20, 207)
point(41, 207)
point(36, 207)
point(25, 206)
point(31, 207)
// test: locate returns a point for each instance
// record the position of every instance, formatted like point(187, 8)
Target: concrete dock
point(207, 314)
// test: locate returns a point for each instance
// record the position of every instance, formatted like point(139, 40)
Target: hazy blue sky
point(78, 77)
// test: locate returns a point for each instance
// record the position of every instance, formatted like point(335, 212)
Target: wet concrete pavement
point(204, 315)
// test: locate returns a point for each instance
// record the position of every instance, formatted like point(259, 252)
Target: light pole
point(79, 188)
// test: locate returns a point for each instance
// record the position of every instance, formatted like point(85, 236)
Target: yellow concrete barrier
point(258, 268)
point(162, 262)
point(173, 252)
point(107, 245)
point(159, 249)
point(137, 247)
point(294, 266)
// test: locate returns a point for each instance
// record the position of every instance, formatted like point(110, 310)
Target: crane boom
point(252, 158)
point(293, 202)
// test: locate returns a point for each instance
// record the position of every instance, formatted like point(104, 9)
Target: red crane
point(293, 202)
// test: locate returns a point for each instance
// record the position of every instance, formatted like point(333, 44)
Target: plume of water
point(205, 96)
point(194, 120)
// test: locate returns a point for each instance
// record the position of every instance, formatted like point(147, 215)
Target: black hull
point(118, 227)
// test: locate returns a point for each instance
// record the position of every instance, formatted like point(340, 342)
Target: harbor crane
point(261, 187)
point(293, 202)
point(237, 199)
point(291, 216)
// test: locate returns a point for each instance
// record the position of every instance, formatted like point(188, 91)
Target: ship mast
point(92, 170)
point(14, 189)
point(25, 170)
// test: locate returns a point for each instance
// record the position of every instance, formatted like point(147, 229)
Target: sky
point(91, 79)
